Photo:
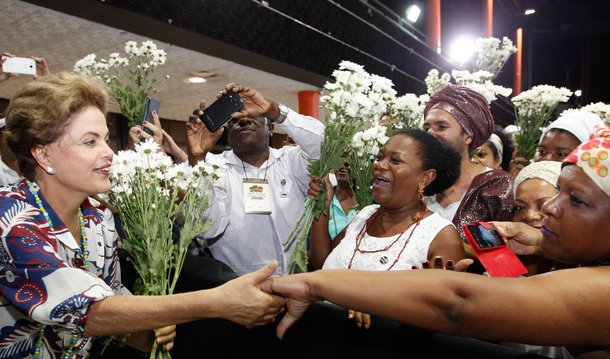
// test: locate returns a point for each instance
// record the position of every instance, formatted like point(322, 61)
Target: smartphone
point(497, 259)
point(484, 237)
point(219, 112)
point(150, 105)
point(332, 179)
point(19, 65)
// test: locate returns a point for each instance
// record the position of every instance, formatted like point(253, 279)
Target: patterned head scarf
point(469, 108)
point(582, 124)
point(593, 157)
point(545, 170)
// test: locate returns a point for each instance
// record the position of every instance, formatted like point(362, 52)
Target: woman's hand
point(165, 336)
point(438, 263)
point(362, 320)
point(298, 294)
point(137, 133)
point(5, 75)
point(315, 188)
point(521, 238)
point(242, 301)
point(170, 147)
point(42, 69)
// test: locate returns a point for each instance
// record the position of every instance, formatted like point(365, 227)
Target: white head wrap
point(497, 143)
point(545, 170)
point(582, 124)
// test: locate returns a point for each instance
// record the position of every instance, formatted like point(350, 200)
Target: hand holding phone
point(19, 65)
point(219, 112)
point(332, 179)
point(151, 105)
point(485, 237)
point(492, 252)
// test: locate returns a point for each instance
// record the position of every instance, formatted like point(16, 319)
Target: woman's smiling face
point(396, 173)
point(81, 158)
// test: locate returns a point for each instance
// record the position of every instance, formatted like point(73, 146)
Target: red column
point(434, 25)
point(518, 62)
point(309, 103)
point(488, 6)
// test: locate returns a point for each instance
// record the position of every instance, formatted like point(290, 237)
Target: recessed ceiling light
point(529, 11)
point(196, 80)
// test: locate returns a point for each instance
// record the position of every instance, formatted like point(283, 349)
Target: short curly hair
point(40, 112)
point(434, 155)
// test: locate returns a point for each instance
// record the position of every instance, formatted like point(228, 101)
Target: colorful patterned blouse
point(41, 275)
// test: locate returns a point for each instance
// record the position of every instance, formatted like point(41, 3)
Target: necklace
point(384, 259)
point(34, 189)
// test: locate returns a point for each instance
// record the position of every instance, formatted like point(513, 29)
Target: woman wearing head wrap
point(568, 307)
point(533, 186)
point(460, 118)
point(495, 153)
point(563, 135)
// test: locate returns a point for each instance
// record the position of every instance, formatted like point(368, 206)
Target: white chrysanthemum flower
point(492, 54)
point(600, 109)
point(434, 82)
point(136, 72)
point(131, 48)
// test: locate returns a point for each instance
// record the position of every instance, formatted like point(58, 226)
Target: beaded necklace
point(365, 228)
point(34, 189)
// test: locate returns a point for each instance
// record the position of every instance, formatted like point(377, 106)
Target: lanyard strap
point(246, 175)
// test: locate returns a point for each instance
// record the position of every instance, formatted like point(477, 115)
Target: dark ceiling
point(565, 42)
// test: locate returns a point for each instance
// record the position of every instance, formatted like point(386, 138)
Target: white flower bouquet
point(600, 109)
point(481, 82)
point(364, 148)
point(533, 109)
point(151, 195)
point(128, 79)
point(435, 81)
point(492, 54)
point(354, 99)
point(406, 112)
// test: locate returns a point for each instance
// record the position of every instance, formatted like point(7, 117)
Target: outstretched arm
point(239, 300)
point(566, 307)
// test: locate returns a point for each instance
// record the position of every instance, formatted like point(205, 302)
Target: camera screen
point(485, 238)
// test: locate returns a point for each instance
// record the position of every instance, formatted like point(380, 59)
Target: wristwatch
point(283, 113)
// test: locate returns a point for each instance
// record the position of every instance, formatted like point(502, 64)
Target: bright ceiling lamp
point(413, 13)
point(462, 50)
point(529, 11)
point(196, 80)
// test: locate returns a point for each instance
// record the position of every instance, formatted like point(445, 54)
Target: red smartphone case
point(499, 261)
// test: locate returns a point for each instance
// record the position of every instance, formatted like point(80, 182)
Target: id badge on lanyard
point(256, 196)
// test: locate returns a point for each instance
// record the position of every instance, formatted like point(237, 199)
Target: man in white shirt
point(261, 197)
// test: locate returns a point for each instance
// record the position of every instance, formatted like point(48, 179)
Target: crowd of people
point(60, 275)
